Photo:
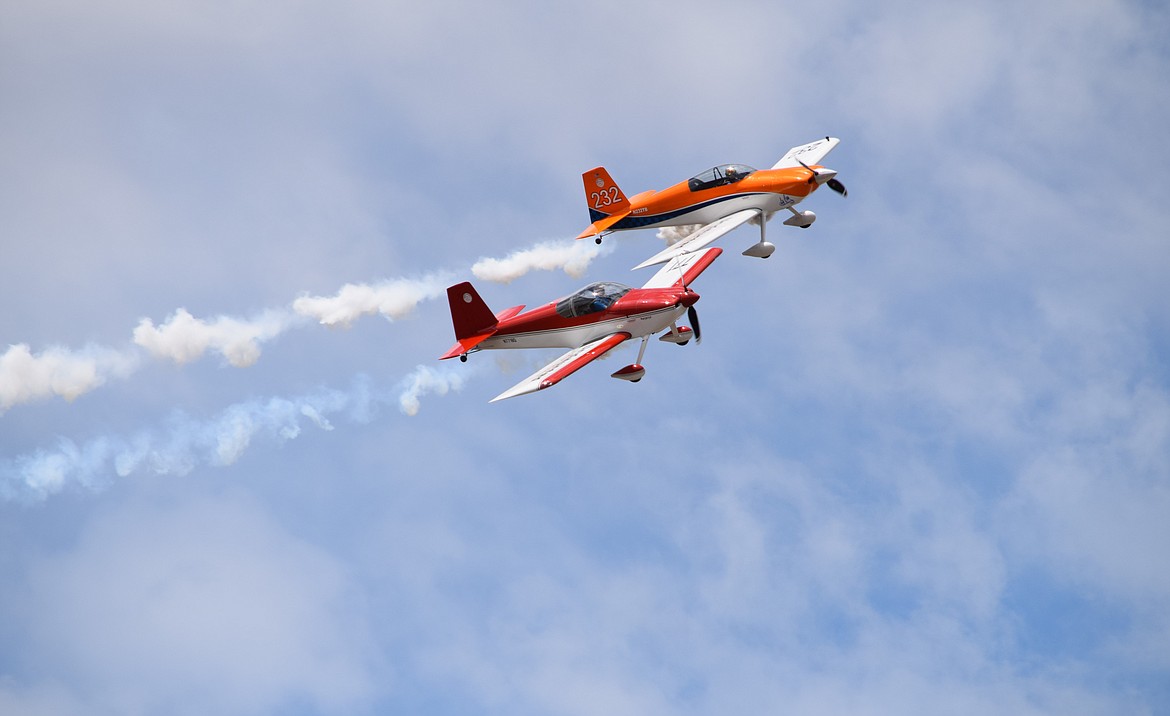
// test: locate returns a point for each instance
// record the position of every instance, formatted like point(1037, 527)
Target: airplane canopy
point(591, 299)
point(719, 176)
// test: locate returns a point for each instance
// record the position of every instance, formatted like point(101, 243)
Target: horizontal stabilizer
point(509, 312)
point(601, 225)
point(466, 344)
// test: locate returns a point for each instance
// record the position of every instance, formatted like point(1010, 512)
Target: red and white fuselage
point(590, 322)
point(640, 312)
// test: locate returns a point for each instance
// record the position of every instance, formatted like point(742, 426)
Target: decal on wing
point(564, 366)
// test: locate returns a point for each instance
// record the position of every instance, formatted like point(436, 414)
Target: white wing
point(700, 238)
point(811, 153)
point(564, 366)
point(685, 268)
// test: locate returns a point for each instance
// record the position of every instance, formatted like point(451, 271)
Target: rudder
point(469, 314)
point(603, 195)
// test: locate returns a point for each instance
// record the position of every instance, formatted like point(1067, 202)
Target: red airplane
point(591, 322)
point(721, 198)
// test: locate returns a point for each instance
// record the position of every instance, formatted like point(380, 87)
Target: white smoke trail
point(573, 257)
point(756, 220)
point(186, 443)
point(392, 299)
point(25, 376)
point(183, 338)
point(674, 234)
point(425, 380)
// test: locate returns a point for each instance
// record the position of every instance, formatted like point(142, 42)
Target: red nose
point(688, 298)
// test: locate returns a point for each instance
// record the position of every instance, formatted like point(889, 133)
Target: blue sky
point(920, 463)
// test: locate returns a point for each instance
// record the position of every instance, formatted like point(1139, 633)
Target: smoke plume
point(185, 443)
point(573, 257)
point(674, 234)
point(425, 380)
point(26, 376)
point(392, 299)
point(183, 338)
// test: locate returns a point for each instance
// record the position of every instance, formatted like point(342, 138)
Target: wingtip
point(516, 391)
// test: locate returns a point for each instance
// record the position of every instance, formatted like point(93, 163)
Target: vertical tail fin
point(470, 315)
point(474, 322)
point(603, 195)
point(607, 204)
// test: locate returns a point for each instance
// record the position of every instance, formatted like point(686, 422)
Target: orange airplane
point(721, 198)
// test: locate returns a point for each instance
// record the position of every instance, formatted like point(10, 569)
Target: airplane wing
point(700, 238)
point(811, 153)
point(683, 269)
point(564, 366)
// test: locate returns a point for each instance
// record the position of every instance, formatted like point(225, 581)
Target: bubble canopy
point(591, 299)
point(719, 176)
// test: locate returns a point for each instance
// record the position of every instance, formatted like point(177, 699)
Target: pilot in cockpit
point(732, 174)
point(599, 301)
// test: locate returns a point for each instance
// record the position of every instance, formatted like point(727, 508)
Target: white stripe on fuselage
point(712, 212)
point(637, 325)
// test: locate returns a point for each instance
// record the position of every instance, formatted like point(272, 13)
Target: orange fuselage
point(765, 190)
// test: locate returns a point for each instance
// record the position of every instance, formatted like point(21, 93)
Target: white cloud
point(206, 607)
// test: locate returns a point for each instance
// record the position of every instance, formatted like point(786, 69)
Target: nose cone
point(824, 175)
point(689, 298)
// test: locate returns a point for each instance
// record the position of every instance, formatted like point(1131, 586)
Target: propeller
point(693, 317)
point(833, 183)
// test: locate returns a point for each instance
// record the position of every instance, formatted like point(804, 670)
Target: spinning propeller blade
point(834, 183)
point(693, 317)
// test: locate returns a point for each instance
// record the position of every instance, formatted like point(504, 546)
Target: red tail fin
point(469, 313)
point(473, 320)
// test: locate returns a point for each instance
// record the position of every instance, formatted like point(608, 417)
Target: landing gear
point(634, 371)
point(762, 249)
point(678, 335)
point(463, 358)
point(803, 219)
point(598, 240)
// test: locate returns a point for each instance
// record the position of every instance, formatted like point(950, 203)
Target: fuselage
point(767, 190)
point(639, 312)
